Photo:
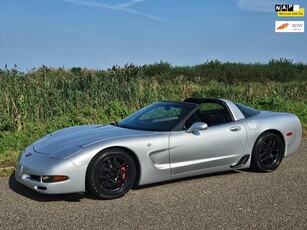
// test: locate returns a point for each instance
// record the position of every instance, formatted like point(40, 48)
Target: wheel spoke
point(270, 143)
point(273, 144)
point(276, 150)
point(264, 159)
point(117, 164)
point(264, 145)
point(109, 164)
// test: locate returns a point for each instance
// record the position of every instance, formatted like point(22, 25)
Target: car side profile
point(164, 141)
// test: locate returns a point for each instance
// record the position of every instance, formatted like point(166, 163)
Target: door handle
point(235, 129)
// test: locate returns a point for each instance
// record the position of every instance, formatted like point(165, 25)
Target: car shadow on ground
point(77, 197)
point(138, 187)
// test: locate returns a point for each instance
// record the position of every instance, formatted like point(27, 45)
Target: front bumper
point(29, 172)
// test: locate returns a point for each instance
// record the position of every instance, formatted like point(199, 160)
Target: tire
point(268, 152)
point(110, 174)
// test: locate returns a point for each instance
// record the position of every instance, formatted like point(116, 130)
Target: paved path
point(233, 200)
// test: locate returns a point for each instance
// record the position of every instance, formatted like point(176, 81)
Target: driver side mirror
point(197, 126)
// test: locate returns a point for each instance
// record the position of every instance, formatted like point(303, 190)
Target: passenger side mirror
point(197, 126)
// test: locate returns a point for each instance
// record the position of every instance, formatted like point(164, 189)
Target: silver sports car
point(163, 141)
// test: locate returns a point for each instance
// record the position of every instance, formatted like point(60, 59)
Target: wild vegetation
point(42, 100)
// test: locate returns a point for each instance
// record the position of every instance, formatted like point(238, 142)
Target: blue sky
point(101, 33)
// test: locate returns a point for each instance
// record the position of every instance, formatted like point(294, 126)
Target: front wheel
point(111, 174)
point(268, 152)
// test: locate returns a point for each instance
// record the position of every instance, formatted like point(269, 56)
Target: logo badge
point(28, 155)
point(289, 10)
point(289, 26)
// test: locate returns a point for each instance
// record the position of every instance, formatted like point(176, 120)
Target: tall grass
point(46, 99)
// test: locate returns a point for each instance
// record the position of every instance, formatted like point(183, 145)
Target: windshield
point(160, 116)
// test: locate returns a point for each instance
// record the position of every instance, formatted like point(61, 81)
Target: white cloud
point(131, 3)
point(120, 7)
point(257, 5)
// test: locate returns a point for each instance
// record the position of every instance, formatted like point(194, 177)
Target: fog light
point(51, 179)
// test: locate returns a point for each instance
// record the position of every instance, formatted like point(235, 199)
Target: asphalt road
point(232, 200)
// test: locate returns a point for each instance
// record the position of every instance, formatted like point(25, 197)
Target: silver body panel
point(161, 156)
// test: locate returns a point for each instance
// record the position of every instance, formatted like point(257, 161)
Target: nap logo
point(289, 10)
point(289, 26)
point(284, 7)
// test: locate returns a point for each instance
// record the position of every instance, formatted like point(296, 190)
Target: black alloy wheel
point(111, 174)
point(268, 152)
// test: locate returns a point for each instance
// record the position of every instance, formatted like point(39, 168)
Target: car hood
point(71, 140)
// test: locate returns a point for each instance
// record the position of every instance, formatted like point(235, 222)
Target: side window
point(195, 117)
point(247, 111)
point(214, 113)
point(205, 107)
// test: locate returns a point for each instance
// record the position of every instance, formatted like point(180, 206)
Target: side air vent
point(241, 162)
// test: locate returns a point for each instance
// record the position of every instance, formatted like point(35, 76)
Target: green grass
point(46, 99)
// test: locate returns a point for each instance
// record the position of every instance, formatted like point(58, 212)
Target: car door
point(219, 145)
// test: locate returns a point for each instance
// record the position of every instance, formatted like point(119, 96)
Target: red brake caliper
point(123, 169)
point(123, 176)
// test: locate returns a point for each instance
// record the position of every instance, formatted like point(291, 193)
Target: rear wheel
point(111, 174)
point(268, 152)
